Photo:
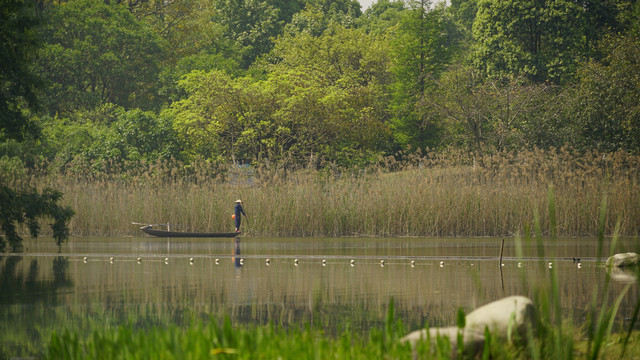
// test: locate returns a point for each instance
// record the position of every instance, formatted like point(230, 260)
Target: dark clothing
point(239, 211)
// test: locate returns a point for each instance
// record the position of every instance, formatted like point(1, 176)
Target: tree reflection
point(29, 287)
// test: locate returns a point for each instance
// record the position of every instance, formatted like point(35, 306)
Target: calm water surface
point(98, 282)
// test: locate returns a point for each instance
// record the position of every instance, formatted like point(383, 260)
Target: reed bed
point(423, 194)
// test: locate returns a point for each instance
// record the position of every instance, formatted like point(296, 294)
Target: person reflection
point(237, 261)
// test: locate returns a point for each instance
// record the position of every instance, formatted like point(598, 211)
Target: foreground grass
point(213, 341)
point(268, 342)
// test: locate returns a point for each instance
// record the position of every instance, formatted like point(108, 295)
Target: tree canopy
point(18, 83)
point(312, 83)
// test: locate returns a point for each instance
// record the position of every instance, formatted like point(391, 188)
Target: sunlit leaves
point(319, 99)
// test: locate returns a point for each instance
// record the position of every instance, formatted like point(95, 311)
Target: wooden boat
point(167, 233)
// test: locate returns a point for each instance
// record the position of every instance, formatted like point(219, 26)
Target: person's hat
point(239, 201)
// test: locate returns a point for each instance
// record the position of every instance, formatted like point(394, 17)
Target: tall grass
point(428, 194)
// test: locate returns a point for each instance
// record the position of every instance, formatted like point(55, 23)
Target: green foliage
point(25, 207)
point(185, 25)
point(315, 82)
point(18, 80)
point(95, 53)
point(319, 100)
point(333, 88)
point(251, 24)
point(168, 79)
point(423, 45)
point(382, 16)
point(535, 39)
point(464, 12)
point(335, 7)
point(111, 135)
point(17, 94)
point(605, 109)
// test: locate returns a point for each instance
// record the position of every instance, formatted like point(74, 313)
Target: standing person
point(238, 212)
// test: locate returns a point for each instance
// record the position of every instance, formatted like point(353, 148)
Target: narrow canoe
point(167, 233)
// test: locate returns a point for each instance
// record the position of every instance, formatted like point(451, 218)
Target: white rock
point(623, 260)
point(504, 318)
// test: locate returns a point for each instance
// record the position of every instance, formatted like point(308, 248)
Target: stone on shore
point(623, 260)
point(504, 318)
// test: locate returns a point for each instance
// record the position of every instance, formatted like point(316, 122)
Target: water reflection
point(623, 275)
point(236, 259)
point(20, 285)
point(324, 282)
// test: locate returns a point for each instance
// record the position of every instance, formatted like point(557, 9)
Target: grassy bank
point(419, 195)
point(225, 341)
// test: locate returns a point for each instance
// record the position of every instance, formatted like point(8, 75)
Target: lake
point(328, 282)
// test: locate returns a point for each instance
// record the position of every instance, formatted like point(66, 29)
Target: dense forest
point(101, 87)
point(311, 83)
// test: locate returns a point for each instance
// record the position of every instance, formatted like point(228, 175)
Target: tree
point(186, 25)
point(26, 206)
point(423, 45)
point(382, 16)
point(333, 91)
point(606, 111)
point(481, 113)
point(96, 54)
point(251, 24)
point(18, 82)
point(538, 39)
point(335, 7)
point(464, 12)
point(322, 99)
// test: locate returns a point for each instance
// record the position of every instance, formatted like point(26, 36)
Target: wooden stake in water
point(500, 266)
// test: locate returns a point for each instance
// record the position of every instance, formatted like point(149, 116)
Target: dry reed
point(422, 194)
